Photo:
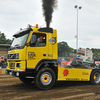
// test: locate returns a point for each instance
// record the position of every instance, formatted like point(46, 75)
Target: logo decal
point(31, 55)
point(52, 40)
point(65, 72)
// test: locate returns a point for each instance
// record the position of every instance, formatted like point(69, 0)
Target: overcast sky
point(16, 14)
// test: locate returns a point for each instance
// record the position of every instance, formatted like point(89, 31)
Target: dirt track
point(11, 88)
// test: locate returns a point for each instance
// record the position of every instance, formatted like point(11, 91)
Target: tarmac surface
point(11, 88)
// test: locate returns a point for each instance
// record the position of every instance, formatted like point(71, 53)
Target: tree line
point(64, 50)
point(4, 40)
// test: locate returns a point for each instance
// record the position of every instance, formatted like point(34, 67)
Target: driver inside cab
point(40, 41)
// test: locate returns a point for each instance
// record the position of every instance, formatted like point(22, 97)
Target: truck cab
point(33, 49)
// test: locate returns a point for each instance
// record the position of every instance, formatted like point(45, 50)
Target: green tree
point(63, 49)
point(8, 41)
point(96, 52)
point(3, 39)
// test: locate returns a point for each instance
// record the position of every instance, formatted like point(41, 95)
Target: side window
point(40, 40)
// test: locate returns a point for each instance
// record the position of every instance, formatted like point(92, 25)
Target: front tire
point(26, 80)
point(95, 77)
point(45, 78)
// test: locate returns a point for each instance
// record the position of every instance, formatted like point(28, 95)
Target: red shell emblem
point(65, 72)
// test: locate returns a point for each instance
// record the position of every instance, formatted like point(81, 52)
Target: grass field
point(2, 70)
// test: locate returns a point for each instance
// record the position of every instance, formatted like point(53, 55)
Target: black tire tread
point(91, 77)
point(38, 74)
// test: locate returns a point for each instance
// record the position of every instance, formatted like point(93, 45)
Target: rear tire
point(95, 77)
point(45, 78)
point(26, 80)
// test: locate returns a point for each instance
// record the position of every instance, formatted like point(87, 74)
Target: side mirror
point(33, 39)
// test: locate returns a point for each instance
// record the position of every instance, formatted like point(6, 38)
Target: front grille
point(12, 65)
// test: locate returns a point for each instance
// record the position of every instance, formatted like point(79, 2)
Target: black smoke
point(48, 7)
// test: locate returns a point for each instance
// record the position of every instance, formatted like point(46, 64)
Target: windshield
point(19, 41)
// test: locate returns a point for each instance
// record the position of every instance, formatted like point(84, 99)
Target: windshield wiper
point(17, 46)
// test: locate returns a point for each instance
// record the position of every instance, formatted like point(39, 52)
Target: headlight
point(13, 56)
point(17, 55)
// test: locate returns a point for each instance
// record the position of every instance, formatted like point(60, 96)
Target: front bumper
point(15, 73)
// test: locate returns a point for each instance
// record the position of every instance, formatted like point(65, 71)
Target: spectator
point(59, 61)
point(63, 59)
point(72, 59)
point(0, 62)
point(5, 60)
point(2, 58)
point(5, 65)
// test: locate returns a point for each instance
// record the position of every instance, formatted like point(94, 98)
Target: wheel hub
point(46, 78)
point(94, 77)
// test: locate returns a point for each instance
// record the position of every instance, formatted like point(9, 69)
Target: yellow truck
point(33, 57)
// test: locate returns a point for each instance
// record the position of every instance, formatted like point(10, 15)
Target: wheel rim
point(46, 78)
point(97, 77)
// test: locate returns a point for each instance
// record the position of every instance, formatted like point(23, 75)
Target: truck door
point(38, 51)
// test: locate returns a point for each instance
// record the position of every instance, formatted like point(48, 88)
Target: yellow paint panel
point(55, 48)
point(74, 74)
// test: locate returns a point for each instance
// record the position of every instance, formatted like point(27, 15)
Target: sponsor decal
point(76, 79)
point(52, 40)
point(85, 73)
point(65, 72)
point(81, 51)
point(72, 79)
point(31, 55)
